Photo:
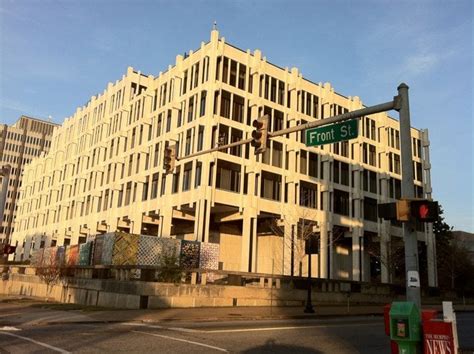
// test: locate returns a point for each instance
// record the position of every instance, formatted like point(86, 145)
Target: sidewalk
point(90, 314)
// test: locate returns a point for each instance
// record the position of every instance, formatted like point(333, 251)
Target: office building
point(104, 171)
point(19, 144)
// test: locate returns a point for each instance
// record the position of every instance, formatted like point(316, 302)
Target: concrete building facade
point(21, 142)
point(105, 170)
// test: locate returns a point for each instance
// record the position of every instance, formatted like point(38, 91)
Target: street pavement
point(34, 327)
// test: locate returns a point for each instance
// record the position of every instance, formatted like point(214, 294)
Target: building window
point(271, 186)
point(225, 104)
point(238, 109)
point(372, 155)
point(163, 185)
point(197, 178)
point(396, 163)
point(145, 188)
point(228, 176)
point(370, 209)
point(187, 176)
point(277, 154)
point(308, 195)
point(128, 192)
point(168, 121)
point(303, 162)
point(154, 185)
point(175, 186)
point(313, 165)
point(200, 138)
point(341, 202)
point(202, 109)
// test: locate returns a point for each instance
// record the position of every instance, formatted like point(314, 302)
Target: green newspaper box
point(405, 327)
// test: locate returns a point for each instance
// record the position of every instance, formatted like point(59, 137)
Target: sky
point(55, 55)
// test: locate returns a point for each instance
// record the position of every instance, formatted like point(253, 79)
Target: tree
point(297, 226)
point(455, 266)
point(394, 260)
point(50, 272)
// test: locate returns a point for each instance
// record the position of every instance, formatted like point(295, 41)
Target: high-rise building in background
point(21, 142)
point(104, 171)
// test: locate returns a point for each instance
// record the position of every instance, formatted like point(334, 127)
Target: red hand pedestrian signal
point(424, 210)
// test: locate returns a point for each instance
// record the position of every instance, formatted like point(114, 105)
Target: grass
point(69, 307)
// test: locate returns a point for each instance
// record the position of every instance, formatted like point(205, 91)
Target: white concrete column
point(357, 230)
point(166, 214)
point(325, 222)
point(245, 246)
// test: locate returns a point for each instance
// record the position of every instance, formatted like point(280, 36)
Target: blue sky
point(54, 55)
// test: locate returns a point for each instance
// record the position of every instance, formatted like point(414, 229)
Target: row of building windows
point(28, 140)
point(228, 177)
point(17, 148)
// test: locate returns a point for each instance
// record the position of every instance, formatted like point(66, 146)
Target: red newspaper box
point(438, 337)
point(428, 315)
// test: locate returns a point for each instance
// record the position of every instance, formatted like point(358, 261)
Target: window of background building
point(270, 186)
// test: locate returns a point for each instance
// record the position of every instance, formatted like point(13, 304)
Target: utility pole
point(409, 232)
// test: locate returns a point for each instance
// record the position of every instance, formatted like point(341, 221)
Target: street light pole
point(409, 231)
point(309, 305)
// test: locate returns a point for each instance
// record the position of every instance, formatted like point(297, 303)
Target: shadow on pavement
point(271, 347)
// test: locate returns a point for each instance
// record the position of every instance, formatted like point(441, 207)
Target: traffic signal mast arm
point(383, 107)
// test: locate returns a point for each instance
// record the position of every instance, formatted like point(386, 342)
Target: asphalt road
point(31, 331)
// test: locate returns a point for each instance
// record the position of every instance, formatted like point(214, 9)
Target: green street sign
point(332, 133)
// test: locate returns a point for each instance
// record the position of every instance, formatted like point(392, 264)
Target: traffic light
point(260, 134)
point(424, 210)
point(403, 210)
point(409, 209)
point(169, 158)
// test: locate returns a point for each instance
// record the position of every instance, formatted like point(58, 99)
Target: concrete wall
point(127, 294)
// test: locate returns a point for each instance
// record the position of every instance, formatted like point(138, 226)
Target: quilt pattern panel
point(98, 248)
point(149, 250)
point(37, 257)
point(190, 254)
point(85, 254)
point(108, 248)
point(72, 255)
point(125, 249)
point(209, 256)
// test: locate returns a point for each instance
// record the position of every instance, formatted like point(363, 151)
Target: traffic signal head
point(424, 210)
point(403, 210)
point(409, 209)
point(169, 159)
point(260, 134)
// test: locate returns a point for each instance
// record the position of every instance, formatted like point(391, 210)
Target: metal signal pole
point(408, 191)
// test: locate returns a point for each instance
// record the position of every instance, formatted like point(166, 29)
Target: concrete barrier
point(131, 294)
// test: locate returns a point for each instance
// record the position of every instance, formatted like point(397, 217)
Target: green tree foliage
point(170, 270)
point(455, 266)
